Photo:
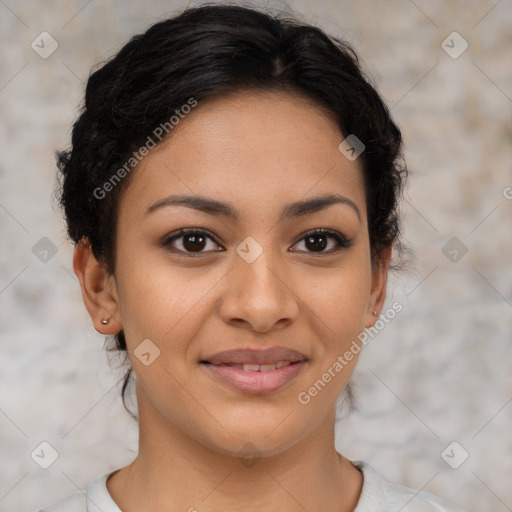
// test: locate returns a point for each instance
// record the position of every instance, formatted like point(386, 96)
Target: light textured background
point(440, 372)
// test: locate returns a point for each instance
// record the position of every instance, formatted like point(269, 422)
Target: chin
point(254, 439)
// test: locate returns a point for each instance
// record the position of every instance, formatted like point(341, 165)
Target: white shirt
point(377, 495)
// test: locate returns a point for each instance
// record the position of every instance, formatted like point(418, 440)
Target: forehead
point(251, 148)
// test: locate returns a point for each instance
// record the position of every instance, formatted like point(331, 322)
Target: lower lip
point(256, 383)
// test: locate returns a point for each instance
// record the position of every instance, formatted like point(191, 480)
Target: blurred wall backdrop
point(438, 373)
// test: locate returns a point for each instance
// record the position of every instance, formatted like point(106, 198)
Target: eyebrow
point(290, 210)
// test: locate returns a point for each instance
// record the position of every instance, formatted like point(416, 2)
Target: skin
point(257, 151)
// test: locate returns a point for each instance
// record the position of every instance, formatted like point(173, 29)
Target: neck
point(175, 472)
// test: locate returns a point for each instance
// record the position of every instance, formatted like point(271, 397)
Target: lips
point(255, 382)
point(256, 372)
point(259, 367)
point(268, 359)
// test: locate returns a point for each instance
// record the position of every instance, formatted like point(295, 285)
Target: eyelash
point(343, 243)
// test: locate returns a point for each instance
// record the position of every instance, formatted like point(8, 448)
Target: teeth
point(265, 367)
point(251, 367)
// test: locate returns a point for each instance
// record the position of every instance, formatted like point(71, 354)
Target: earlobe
point(378, 291)
point(98, 290)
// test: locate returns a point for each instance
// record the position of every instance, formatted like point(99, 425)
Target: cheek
point(152, 302)
point(161, 301)
point(158, 297)
point(341, 298)
point(338, 304)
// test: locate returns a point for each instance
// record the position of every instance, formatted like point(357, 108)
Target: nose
point(259, 296)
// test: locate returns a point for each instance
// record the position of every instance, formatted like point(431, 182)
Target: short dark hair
point(209, 51)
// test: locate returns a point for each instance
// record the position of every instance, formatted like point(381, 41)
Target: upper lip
point(256, 356)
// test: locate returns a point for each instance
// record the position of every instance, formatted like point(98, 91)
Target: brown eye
point(198, 241)
point(317, 241)
point(191, 241)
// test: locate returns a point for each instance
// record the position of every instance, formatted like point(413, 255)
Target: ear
point(98, 289)
point(378, 291)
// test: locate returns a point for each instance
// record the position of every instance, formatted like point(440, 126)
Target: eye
point(195, 241)
point(191, 241)
point(317, 240)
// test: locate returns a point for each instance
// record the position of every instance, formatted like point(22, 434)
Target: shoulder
point(95, 499)
point(379, 495)
point(74, 503)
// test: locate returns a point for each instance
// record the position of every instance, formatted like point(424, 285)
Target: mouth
point(261, 357)
point(249, 367)
point(256, 371)
point(256, 379)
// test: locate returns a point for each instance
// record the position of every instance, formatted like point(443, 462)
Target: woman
point(232, 191)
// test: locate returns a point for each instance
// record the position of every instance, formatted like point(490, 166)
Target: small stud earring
point(105, 321)
point(375, 312)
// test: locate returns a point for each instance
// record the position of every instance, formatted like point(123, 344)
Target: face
point(251, 274)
